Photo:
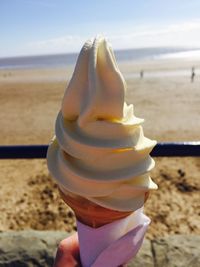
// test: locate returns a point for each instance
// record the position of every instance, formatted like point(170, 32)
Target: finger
point(68, 253)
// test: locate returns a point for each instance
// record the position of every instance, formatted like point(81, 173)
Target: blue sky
point(29, 27)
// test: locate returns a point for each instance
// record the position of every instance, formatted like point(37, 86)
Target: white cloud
point(68, 43)
point(184, 28)
point(179, 34)
point(182, 34)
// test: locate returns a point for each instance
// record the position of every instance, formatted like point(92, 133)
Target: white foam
point(192, 54)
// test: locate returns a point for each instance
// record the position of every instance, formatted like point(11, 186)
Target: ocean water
point(64, 60)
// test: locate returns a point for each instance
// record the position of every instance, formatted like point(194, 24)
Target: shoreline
point(156, 68)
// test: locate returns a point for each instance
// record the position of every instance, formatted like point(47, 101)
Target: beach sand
point(29, 103)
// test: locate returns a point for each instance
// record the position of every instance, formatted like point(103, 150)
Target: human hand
point(68, 253)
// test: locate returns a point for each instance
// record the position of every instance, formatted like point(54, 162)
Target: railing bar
point(176, 149)
point(163, 149)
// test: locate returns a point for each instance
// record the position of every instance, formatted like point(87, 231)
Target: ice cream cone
point(92, 214)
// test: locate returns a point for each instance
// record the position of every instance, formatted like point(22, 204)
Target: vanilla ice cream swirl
point(100, 151)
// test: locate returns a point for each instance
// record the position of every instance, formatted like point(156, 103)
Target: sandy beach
point(29, 103)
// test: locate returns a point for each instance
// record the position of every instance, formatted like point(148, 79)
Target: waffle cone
point(90, 213)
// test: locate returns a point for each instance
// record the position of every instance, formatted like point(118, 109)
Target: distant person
point(192, 74)
point(141, 74)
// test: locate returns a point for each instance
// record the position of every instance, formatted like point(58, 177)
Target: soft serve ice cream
point(100, 152)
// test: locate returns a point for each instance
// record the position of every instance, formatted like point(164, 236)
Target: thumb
point(68, 253)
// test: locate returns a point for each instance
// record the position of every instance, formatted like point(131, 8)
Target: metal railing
point(165, 149)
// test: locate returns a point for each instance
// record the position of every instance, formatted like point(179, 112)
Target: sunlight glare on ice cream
point(100, 152)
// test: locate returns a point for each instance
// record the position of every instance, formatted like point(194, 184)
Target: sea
point(64, 60)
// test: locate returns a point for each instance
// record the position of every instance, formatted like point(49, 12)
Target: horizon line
point(184, 48)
